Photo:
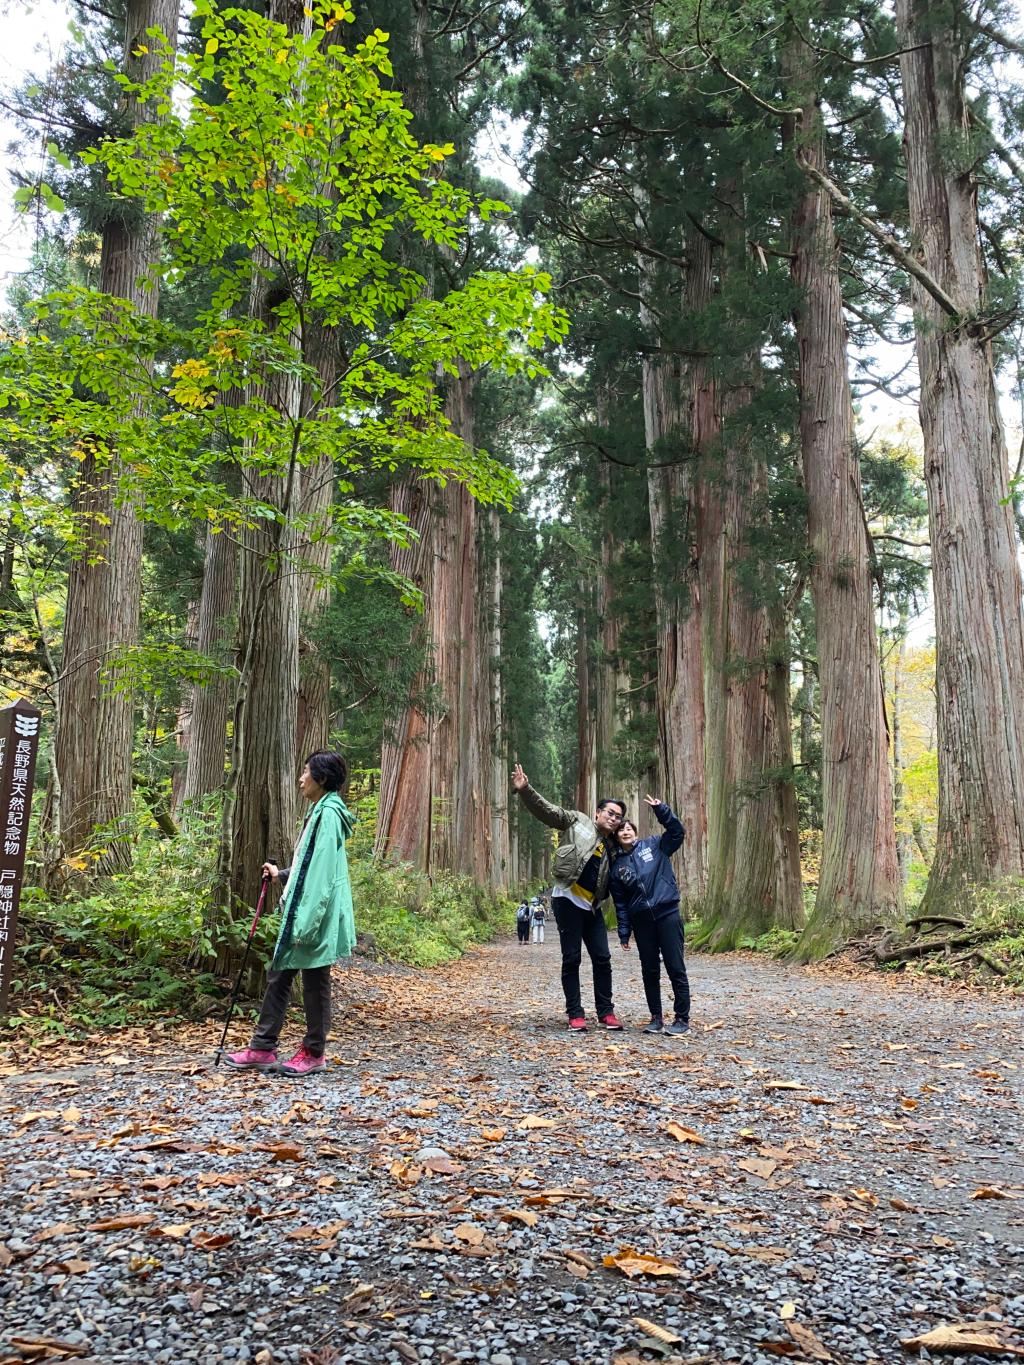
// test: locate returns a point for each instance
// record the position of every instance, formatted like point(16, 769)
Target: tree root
point(936, 919)
point(932, 945)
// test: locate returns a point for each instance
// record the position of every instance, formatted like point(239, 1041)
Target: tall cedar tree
point(91, 778)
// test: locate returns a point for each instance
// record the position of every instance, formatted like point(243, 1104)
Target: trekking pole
point(245, 958)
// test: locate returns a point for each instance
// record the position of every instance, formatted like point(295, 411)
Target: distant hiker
point(317, 924)
point(523, 922)
point(646, 896)
point(581, 883)
point(537, 921)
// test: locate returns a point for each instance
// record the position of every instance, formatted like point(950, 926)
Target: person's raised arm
point(672, 839)
point(542, 810)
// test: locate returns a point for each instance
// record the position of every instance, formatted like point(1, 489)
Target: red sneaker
point(302, 1064)
point(250, 1059)
point(610, 1022)
point(578, 1025)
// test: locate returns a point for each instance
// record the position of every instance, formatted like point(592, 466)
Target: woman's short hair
point(328, 770)
point(630, 824)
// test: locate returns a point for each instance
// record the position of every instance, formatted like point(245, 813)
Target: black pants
point(657, 941)
point(577, 927)
point(523, 929)
point(316, 997)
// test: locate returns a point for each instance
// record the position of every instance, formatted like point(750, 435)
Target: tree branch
point(885, 239)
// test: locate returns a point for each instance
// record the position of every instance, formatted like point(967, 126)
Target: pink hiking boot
point(302, 1064)
point(250, 1059)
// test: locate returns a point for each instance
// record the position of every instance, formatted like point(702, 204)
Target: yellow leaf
point(212, 44)
point(281, 56)
point(787, 1311)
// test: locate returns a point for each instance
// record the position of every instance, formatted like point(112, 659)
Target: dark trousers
point(523, 929)
point(577, 927)
point(316, 997)
point(657, 941)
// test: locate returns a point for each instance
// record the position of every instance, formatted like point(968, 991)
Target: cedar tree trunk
point(860, 881)
point(95, 725)
point(976, 576)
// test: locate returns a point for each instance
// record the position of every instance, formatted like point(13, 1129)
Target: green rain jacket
point(317, 923)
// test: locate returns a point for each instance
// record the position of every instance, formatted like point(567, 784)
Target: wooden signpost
point(19, 744)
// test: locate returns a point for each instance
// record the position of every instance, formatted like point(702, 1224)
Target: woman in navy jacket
point(646, 896)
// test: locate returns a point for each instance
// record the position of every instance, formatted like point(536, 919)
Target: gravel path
point(450, 1189)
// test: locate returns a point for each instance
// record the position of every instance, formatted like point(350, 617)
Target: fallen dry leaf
point(208, 1180)
point(901, 1206)
point(865, 1197)
point(784, 1085)
point(683, 1134)
point(74, 1267)
point(991, 1192)
point(405, 1172)
point(471, 1233)
point(211, 1241)
point(432, 1242)
point(121, 1221)
point(284, 1151)
point(523, 1216)
point(535, 1121)
point(47, 1348)
point(57, 1230)
point(787, 1311)
point(633, 1263)
point(659, 1333)
point(983, 1338)
point(441, 1165)
point(808, 1342)
point(764, 1170)
point(162, 1182)
point(492, 1134)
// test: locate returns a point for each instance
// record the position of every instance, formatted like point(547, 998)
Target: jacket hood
point(332, 801)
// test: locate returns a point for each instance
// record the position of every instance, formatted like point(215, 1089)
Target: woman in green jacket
point(317, 924)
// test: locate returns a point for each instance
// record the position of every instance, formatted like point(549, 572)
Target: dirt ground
point(827, 1168)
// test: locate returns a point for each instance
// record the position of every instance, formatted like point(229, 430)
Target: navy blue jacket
point(642, 881)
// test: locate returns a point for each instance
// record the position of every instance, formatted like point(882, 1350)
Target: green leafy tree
point(295, 188)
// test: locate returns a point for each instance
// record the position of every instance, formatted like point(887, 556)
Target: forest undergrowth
point(120, 950)
point(982, 946)
point(136, 945)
